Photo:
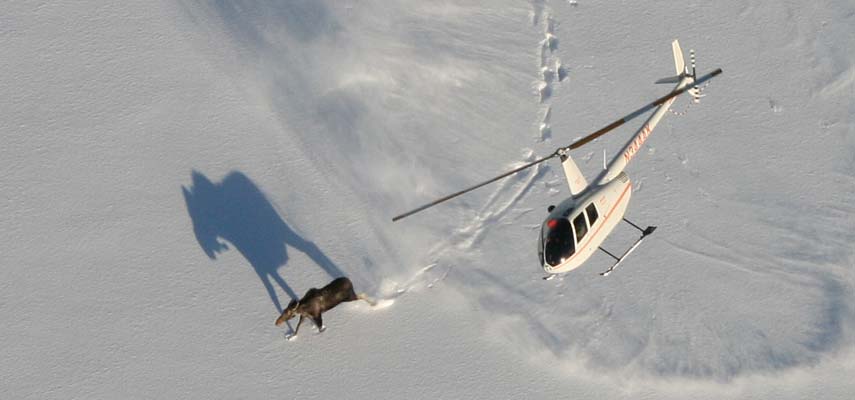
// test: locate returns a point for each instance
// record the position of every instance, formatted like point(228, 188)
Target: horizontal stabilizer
point(670, 79)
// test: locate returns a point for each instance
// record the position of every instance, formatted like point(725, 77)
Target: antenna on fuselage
point(604, 159)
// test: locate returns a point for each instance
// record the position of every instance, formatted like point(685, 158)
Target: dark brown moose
point(317, 301)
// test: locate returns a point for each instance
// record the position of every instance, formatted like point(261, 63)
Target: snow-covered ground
point(173, 172)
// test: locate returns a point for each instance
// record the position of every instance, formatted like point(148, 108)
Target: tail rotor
point(695, 91)
point(686, 77)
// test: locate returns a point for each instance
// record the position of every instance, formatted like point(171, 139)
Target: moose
point(317, 301)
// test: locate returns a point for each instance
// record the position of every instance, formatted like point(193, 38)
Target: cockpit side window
point(581, 227)
point(591, 209)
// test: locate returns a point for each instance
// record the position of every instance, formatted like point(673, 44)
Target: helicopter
point(576, 227)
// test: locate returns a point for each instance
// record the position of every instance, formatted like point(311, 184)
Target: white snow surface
point(173, 172)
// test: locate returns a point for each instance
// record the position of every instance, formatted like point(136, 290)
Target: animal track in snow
point(501, 202)
point(560, 70)
point(550, 41)
point(545, 129)
point(498, 206)
point(537, 7)
point(684, 162)
point(552, 72)
point(427, 277)
point(547, 74)
point(545, 90)
point(551, 69)
point(775, 107)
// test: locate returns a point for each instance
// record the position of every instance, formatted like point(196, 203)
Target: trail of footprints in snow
point(551, 72)
point(467, 237)
point(463, 239)
point(426, 277)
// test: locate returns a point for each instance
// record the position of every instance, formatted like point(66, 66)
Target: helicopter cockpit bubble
point(558, 242)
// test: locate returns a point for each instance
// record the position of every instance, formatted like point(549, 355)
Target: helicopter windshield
point(558, 241)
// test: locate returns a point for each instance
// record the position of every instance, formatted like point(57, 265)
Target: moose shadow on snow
point(236, 211)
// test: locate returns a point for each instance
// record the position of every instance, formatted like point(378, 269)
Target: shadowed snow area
point(172, 173)
point(237, 212)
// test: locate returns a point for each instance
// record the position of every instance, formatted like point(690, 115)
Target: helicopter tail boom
point(687, 81)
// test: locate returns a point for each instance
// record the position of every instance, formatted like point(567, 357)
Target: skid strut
point(644, 233)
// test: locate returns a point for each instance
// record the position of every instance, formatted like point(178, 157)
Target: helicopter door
point(591, 210)
point(581, 227)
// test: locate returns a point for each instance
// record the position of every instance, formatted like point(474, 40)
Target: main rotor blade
point(453, 195)
point(579, 143)
point(583, 141)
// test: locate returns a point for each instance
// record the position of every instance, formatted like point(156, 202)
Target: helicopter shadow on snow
point(237, 211)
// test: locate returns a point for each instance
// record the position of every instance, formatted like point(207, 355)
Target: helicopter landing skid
point(644, 233)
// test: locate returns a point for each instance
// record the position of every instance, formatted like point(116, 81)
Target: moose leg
point(293, 335)
point(319, 322)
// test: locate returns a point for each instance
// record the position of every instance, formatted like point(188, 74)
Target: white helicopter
point(577, 226)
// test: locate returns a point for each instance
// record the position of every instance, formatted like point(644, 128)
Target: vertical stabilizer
point(679, 64)
point(575, 179)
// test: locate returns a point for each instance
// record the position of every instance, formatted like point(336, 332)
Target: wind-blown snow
point(173, 173)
